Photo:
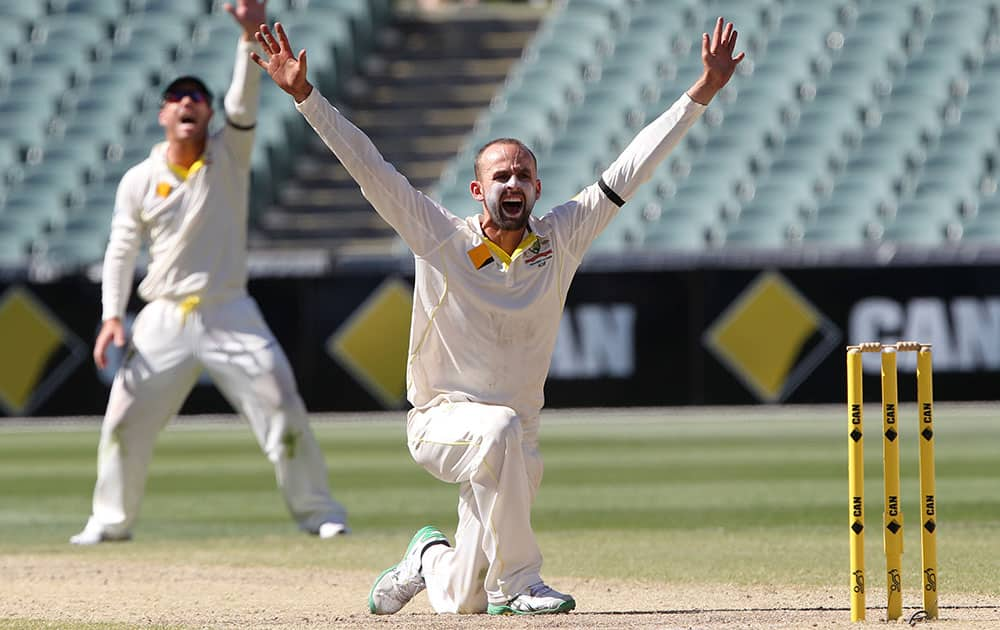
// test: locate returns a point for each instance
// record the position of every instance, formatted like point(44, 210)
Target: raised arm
point(618, 183)
point(420, 221)
point(249, 14)
point(243, 95)
point(651, 145)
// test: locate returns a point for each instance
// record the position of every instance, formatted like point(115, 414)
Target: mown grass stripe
point(737, 497)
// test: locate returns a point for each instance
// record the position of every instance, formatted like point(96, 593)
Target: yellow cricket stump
point(893, 513)
point(856, 482)
point(928, 529)
point(892, 516)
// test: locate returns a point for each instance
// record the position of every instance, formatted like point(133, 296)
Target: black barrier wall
point(678, 337)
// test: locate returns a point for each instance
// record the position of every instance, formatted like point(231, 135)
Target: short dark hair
point(496, 141)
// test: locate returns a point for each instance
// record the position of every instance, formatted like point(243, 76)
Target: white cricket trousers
point(168, 350)
point(492, 454)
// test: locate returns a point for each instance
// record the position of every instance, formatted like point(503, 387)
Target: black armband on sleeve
point(240, 127)
point(610, 194)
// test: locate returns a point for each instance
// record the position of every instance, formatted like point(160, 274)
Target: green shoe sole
point(504, 609)
point(371, 599)
point(424, 535)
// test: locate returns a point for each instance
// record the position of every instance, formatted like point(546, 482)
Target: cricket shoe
point(539, 600)
point(398, 584)
point(92, 535)
point(332, 530)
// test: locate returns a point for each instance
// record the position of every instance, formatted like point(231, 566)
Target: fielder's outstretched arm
point(595, 206)
point(243, 95)
point(654, 142)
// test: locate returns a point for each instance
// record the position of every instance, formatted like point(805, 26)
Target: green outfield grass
point(735, 495)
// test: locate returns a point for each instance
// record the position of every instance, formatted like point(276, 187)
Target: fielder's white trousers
point(492, 454)
point(168, 350)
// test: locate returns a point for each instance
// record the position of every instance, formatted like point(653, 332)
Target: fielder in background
point(488, 296)
point(189, 200)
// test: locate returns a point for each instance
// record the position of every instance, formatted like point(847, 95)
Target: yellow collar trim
point(184, 173)
point(526, 242)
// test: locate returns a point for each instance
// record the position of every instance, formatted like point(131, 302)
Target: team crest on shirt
point(539, 254)
point(480, 256)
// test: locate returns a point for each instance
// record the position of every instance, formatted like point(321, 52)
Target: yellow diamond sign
point(39, 353)
point(373, 343)
point(771, 337)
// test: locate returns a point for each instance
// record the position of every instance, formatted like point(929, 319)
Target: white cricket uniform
point(198, 316)
point(483, 330)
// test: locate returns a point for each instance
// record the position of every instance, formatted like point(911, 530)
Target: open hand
point(287, 70)
point(717, 54)
point(718, 62)
point(249, 13)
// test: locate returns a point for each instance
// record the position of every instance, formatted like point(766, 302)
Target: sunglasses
point(177, 97)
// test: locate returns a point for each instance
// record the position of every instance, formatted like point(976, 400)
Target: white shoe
point(331, 529)
point(398, 584)
point(539, 600)
point(92, 535)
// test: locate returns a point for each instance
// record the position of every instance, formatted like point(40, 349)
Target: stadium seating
point(78, 104)
point(18, 11)
point(852, 123)
point(106, 9)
